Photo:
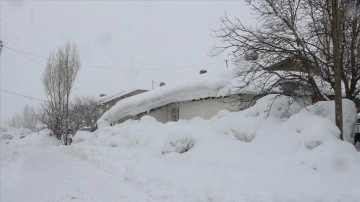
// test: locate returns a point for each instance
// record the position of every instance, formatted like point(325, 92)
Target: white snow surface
point(280, 153)
point(327, 110)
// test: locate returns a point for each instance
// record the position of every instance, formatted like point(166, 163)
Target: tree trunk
point(337, 68)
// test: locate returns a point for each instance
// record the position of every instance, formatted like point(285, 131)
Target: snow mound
point(326, 109)
point(275, 124)
point(274, 106)
point(177, 142)
point(272, 147)
point(81, 136)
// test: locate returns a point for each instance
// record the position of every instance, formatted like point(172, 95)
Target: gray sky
point(161, 41)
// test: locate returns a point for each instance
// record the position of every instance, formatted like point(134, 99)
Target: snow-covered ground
point(260, 154)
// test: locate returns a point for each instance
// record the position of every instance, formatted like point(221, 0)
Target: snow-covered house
point(202, 98)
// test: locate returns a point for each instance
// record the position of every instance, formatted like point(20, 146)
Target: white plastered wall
point(205, 109)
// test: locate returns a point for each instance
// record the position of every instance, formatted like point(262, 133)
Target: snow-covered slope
point(263, 153)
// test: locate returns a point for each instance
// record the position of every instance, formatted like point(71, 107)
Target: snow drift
point(278, 153)
point(272, 151)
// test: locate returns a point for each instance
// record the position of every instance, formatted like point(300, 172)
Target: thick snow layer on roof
point(201, 88)
point(107, 98)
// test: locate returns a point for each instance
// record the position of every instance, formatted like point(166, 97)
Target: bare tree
point(27, 119)
point(84, 113)
point(296, 42)
point(30, 118)
point(296, 36)
point(59, 77)
point(17, 121)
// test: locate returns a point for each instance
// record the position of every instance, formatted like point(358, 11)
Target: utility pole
point(337, 68)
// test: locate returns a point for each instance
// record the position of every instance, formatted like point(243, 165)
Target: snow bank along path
point(37, 168)
point(292, 155)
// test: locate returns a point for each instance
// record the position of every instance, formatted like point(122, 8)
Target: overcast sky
point(140, 41)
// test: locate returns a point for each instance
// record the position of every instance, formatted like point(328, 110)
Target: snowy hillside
point(260, 154)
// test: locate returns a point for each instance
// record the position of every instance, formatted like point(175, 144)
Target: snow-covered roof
point(162, 96)
point(107, 98)
point(185, 89)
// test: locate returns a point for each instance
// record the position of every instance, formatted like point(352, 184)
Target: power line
point(121, 68)
point(15, 51)
point(21, 54)
point(25, 52)
point(152, 68)
point(21, 95)
point(94, 86)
